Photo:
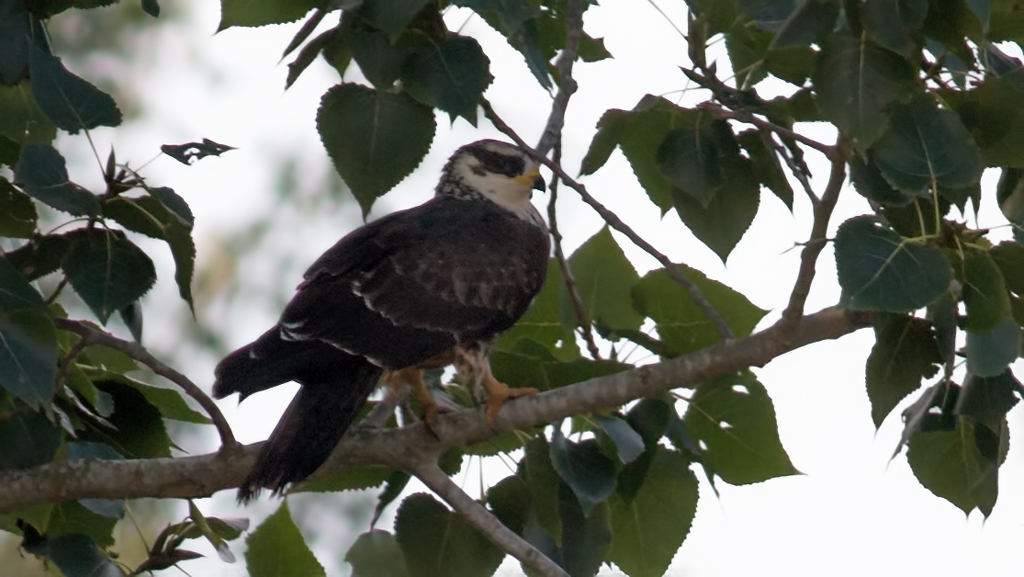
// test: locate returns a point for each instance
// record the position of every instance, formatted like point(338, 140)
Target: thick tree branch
point(489, 525)
point(615, 222)
point(139, 353)
point(819, 229)
point(204, 475)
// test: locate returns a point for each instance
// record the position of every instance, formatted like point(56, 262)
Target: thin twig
point(481, 519)
point(139, 353)
point(570, 282)
point(801, 177)
point(69, 359)
point(749, 118)
point(819, 229)
point(567, 86)
point(724, 332)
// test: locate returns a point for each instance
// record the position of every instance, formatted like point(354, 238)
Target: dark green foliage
point(906, 352)
point(277, 548)
point(439, 543)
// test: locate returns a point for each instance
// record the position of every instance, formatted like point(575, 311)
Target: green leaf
point(585, 537)
point(985, 296)
point(168, 401)
point(376, 554)
point(752, 56)
point(374, 138)
point(391, 16)
point(604, 278)
point(307, 55)
point(809, 21)
point(509, 500)
point(545, 322)
point(69, 101)
point(904, 353)
point(855, 81)
point(870, 183)
point(1009, 257)
point(43, 175)
point(891, 23)
point(277, 548)
point(108, 271)
point(584, 468)
point(28, 340)
point(451, 75)
point(393, 488)
point(990, 352)
point(721, 224)
point(22, 121)
point(628, 443)
point(27, 439)
point(991, 112)
point(683, 325)
point(17, 213)
point(988, 399)
point(378, 59)
point(689, 160)
point(733, 417)
point(951, 465)
point(77, 555)
point(71, 517)
point(880, 271)
point(188, 154)
point(439, 543)
point(348, 479)
point(543, 484)
point(767, 166)
point(40, 256)
point(611, 129)
point(263, 12)
point(928, 147)
point(649, 529)
point(139, 431)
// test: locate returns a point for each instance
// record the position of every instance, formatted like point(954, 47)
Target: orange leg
point(498, 393)
point(414, 378)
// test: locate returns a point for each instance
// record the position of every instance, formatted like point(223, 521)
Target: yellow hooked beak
point(532, 178)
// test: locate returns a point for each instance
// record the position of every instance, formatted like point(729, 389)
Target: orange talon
point(498, 393)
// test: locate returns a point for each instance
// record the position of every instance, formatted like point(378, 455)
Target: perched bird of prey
point(417, 289)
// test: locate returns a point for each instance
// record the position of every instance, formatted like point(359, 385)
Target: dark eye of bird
point(500, 163)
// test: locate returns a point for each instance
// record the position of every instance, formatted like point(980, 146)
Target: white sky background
point(852, 513)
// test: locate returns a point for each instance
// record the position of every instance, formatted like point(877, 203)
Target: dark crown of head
point(510, 164)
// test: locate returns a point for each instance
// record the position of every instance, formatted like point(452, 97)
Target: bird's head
point(493, 170)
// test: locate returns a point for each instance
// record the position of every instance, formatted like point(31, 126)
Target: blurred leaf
point(990, 352)
point(277, 548)
point(628, 443)
point(904, 353)
point(733, 418)
point(28, 340)
point(611, 129)
point(307, 55)
point(17, 213)
point(112, 508)
point(585, 536)
point(951, 465)
point(40, 256)
point(169, 402)
point(197, 517)
point(246, 13)
point(439, 543)
point(767, 165)
point(132, 317)
point(398, 129)
point(891, 23)
point(21, 120)
point(391, 16)
point(69, 101)
point(584, 468)
point(604, 279)
point(16, 25)
point(990, 110)
point(451, 75)
point(108, 271)
point(77, 555)
point(543, 321)
point(376, 554)
point(985, 296)
point(393, 488)
point(27, 439)
point(151, 7)
point(1009, 257)
point(43, 175)
point(71, 517)
point(809, 21)
point(722, 223)
point(753, 57)
point(648, 530)
point(509, 500)
point(855, 81)
point(379, 60)
point(878, 270)
point(927, 147)
point(192, 152)
point(870, 183)
point(988, 399)
point(682, 324)
point(543, 484)
point(139, 431)
point(348, 478)
point(688, 158)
